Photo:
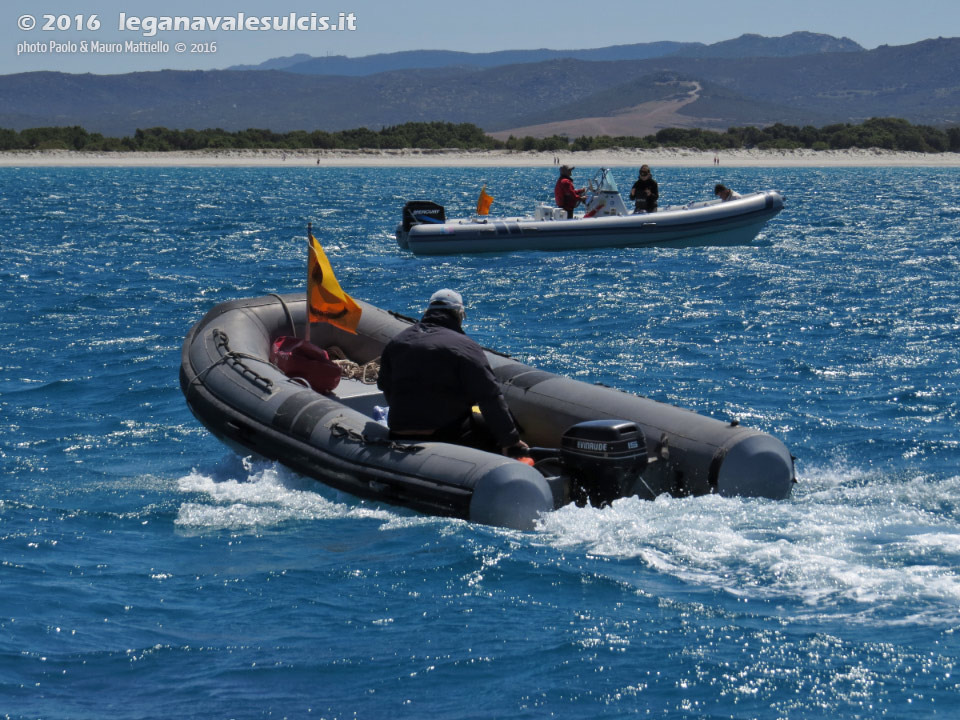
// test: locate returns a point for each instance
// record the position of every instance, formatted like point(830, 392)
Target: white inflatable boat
point(591, 443)
point(605, 223)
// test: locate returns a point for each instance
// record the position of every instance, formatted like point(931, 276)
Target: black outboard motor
point(422, 211)
point(604, 459)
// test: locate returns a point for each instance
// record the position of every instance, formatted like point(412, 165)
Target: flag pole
point(306, 333)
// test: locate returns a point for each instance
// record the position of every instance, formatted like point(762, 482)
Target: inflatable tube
point(736, 222)
point(232, 388)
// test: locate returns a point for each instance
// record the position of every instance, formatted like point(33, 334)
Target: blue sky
point(387, 26)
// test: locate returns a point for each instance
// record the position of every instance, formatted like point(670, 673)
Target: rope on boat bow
point(229, 357)
point(366, 373)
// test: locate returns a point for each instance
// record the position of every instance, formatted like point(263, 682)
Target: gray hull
point(731, 223)
point(249, 404)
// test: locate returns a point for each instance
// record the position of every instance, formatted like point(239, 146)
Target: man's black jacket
point(432, 375)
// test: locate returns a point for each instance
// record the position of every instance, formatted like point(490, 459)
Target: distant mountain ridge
point(568, 96)
point(432, 59)
point(792, 45)
point(798, 43)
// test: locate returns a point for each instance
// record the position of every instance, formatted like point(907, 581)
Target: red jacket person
point(565, 194)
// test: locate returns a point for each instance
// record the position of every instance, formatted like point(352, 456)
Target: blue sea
point(148, 572)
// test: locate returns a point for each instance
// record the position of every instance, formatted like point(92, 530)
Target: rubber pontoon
point(606, 223)
point(592, 442)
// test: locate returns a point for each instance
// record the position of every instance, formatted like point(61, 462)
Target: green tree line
point(884, 133)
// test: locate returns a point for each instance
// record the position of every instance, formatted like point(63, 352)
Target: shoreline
point(663, 157)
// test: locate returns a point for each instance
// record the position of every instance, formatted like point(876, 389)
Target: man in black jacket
point(432, 375)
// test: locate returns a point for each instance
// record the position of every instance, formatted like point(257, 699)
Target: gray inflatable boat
point(590, 443)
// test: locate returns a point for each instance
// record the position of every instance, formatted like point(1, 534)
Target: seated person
point(725, 194)
point(432, 375)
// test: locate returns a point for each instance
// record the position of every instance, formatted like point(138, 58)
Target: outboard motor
point(604, 459)
point(422, 211)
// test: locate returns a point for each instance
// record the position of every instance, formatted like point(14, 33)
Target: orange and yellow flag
point(326, 300)
point(484, 202)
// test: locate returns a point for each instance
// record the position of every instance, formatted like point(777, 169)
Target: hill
point(798, 43)
point(433, 59)
point(792, 45)
point(818, 89)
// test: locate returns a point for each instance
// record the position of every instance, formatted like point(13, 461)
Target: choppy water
point(147, 572)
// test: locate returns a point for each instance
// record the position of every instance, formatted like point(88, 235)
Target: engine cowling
point(604, 459)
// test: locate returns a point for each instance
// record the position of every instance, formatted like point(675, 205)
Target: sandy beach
point(672, 157)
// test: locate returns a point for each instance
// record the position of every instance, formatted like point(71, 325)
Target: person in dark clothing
point(432, 375)
point(564, 192)
point(645, 192)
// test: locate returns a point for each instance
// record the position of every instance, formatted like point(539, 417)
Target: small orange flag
point(326, 300)
point(484, 202)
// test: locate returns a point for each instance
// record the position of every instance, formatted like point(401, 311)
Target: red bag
point(299, 359)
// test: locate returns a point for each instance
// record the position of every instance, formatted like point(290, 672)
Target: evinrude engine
point(604, 459)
